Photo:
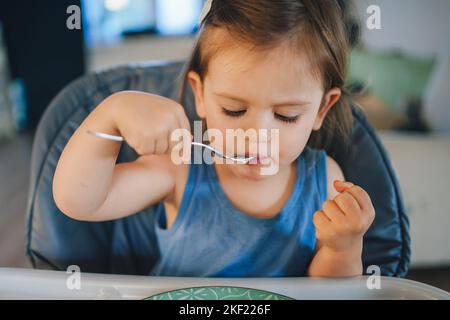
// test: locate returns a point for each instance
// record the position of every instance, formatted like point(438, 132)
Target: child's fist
point(343, 221)
point(147, 121)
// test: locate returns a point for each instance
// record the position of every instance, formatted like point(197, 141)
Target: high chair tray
point(45, 284)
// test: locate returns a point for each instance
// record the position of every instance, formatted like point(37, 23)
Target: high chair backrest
point(128, 246)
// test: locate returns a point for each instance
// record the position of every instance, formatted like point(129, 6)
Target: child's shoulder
point(332, 168)
point(334, 172)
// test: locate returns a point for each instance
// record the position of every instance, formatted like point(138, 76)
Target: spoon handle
point(119, 138)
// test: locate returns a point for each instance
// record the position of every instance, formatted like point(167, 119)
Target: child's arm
point(88, 185)
point(340, 227)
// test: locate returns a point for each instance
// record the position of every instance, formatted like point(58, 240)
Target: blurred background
point(399, 73)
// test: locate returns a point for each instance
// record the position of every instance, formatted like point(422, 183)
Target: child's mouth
point(256, 159)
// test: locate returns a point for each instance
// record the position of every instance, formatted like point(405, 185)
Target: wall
point(417, 27)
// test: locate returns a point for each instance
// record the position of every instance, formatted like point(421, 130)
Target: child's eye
point(239, 113)
point(233, 113)
point(286, 119)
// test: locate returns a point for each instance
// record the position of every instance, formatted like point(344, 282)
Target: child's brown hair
point(314, 26)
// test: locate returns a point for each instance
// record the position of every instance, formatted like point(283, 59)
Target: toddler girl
point(257, 64)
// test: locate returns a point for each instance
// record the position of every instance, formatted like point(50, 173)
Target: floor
point(14, 175)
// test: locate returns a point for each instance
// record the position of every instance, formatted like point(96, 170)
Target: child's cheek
point(291, 146)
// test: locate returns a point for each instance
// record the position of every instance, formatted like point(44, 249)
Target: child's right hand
point(90, 185)
point(146, 122)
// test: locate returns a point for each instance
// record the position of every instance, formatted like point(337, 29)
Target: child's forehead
point(237, 64)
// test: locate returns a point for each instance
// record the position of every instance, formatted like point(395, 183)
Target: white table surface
point(44, 284)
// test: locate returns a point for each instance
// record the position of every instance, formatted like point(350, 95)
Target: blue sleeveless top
point(212, 238)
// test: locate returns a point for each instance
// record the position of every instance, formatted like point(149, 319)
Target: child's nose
point(261, 123)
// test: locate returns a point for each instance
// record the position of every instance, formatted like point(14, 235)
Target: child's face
point(253, 90)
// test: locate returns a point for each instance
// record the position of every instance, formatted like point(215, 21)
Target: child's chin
point(249, 172)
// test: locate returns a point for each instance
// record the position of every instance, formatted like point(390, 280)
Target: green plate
point(218, 293)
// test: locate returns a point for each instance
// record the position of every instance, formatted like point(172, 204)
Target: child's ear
point(197, 88)
point(328, 101)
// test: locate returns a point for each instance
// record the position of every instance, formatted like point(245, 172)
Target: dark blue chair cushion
point(128, 246)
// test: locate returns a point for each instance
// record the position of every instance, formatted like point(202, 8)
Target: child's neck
point(260, 198)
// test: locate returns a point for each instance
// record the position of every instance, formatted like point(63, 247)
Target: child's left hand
point(343, 221)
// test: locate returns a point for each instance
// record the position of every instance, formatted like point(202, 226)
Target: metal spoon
point(119, 138)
